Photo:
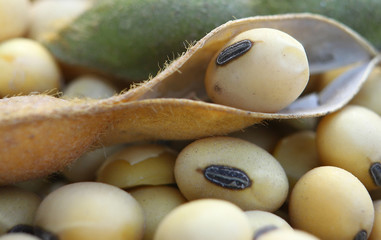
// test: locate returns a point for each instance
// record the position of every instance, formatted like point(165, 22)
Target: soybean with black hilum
point(260, 70)
point(17, 206)
point(350, 139)
point(231, 169)
point(331, 203)
point(262, 221)
point(138, 52)
point(91, 210)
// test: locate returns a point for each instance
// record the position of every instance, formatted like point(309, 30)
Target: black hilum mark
point(227, 177)
point(375, 172)
point(233, 51)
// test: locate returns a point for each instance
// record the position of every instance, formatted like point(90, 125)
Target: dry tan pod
point(42, 134)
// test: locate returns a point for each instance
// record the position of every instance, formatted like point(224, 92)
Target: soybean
point(137, 165)
point(211, 219)
point(332, 204)
point(261, 70)
point(232, 169)
point(349, 139)
point(90, 210)
point(17, 206)
point(157, 202)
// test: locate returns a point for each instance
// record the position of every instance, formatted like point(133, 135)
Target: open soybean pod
point(133, 38)
point(42, 134)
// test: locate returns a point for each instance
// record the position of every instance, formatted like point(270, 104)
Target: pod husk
point(133, 38)
point(42, 134)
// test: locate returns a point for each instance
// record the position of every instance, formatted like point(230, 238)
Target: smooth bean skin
point(350, 139)
point(13, 18)
point(138, 165)
point(266, 78)
point(297, 154)
point(263, 221)
point(211, 219)
point(287, 234)
point(27, 67)
point(157, 202)
point(331, 203)
point(376, 230)
point(89, 86)
point(91, 210)
point(226, 161)
point(18, 236)
point(47, 17)
point(17, 206)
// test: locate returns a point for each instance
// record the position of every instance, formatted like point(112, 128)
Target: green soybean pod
point(164, 26)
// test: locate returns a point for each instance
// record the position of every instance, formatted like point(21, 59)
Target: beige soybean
point(140, 164)
point(211, 219)
point(369, 94)
point(350, 139)
point(47, 17)
point(157, 202)
point(262, 221)
point(287, 234)
point(261, 70)
point(90, 210)
point(18, 236)
point(89, 86)
point(376, 230)
point(297, 154)
point(332, 204)
point(13, 18)
point(27, 67)
point(232, 169)
point(17, 206)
